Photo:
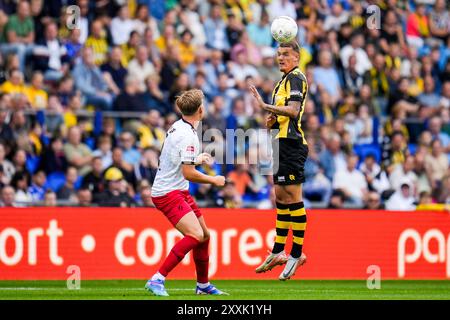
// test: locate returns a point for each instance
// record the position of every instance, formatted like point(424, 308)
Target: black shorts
point(289, 161)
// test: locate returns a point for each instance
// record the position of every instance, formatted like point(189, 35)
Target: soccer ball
point(283, 29)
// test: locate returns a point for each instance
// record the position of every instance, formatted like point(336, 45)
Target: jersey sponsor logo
point(190, 149)
point(296, 93)
point(291, 177)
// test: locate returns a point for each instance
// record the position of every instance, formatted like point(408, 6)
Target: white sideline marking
point(143, 290)
point(86, 289)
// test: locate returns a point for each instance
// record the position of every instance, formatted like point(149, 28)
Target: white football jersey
point(181, 146)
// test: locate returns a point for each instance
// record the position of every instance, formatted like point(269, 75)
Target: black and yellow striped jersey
point(292, 87)
point(99, 48)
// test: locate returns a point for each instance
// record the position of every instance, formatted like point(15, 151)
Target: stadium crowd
point(87, 96)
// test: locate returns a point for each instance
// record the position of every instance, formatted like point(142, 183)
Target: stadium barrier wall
point(105, 243)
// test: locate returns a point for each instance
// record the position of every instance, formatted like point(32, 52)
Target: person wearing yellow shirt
point(416, 80)
point(417, 26)
point(97, 41)
point(305, 60)
point(186, 49)
point(150, 134)
point(132, 7)
point(240, 9)
point(393, 57)
point(37, 96)
point(433, 207)
point(34, 137)
point(168, 38)
point(426, 203)
point(14, 84)
point(129, 49)
point(70, 116)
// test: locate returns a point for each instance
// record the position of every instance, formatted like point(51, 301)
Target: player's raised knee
point(206, 236)
point(196, 234)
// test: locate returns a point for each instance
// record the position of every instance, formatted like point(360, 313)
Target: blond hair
point(189, 101)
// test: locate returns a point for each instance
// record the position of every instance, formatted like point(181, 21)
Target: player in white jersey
point(180, 147)
point(170, 194)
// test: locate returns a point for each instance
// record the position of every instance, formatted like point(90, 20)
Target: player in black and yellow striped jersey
point(290, 151)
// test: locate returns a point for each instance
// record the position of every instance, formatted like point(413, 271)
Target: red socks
point(201, 258)
point(179, 250)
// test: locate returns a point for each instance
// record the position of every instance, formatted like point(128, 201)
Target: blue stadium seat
point(55, 180)
point(98, 123)
point(263, 194)
point(32, 163)
point(40, 117)
point(79, 183)
point(193, 187)
point(45, 140)
point(412, 147)
point(90, 142)
point(363, 150)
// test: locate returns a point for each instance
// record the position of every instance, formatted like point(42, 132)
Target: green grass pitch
point(238, 290)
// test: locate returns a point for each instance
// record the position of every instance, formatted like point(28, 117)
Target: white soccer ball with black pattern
point(284, 29)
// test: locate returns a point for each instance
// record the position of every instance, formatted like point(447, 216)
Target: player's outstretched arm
point(291, 110)
point(193, 175)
